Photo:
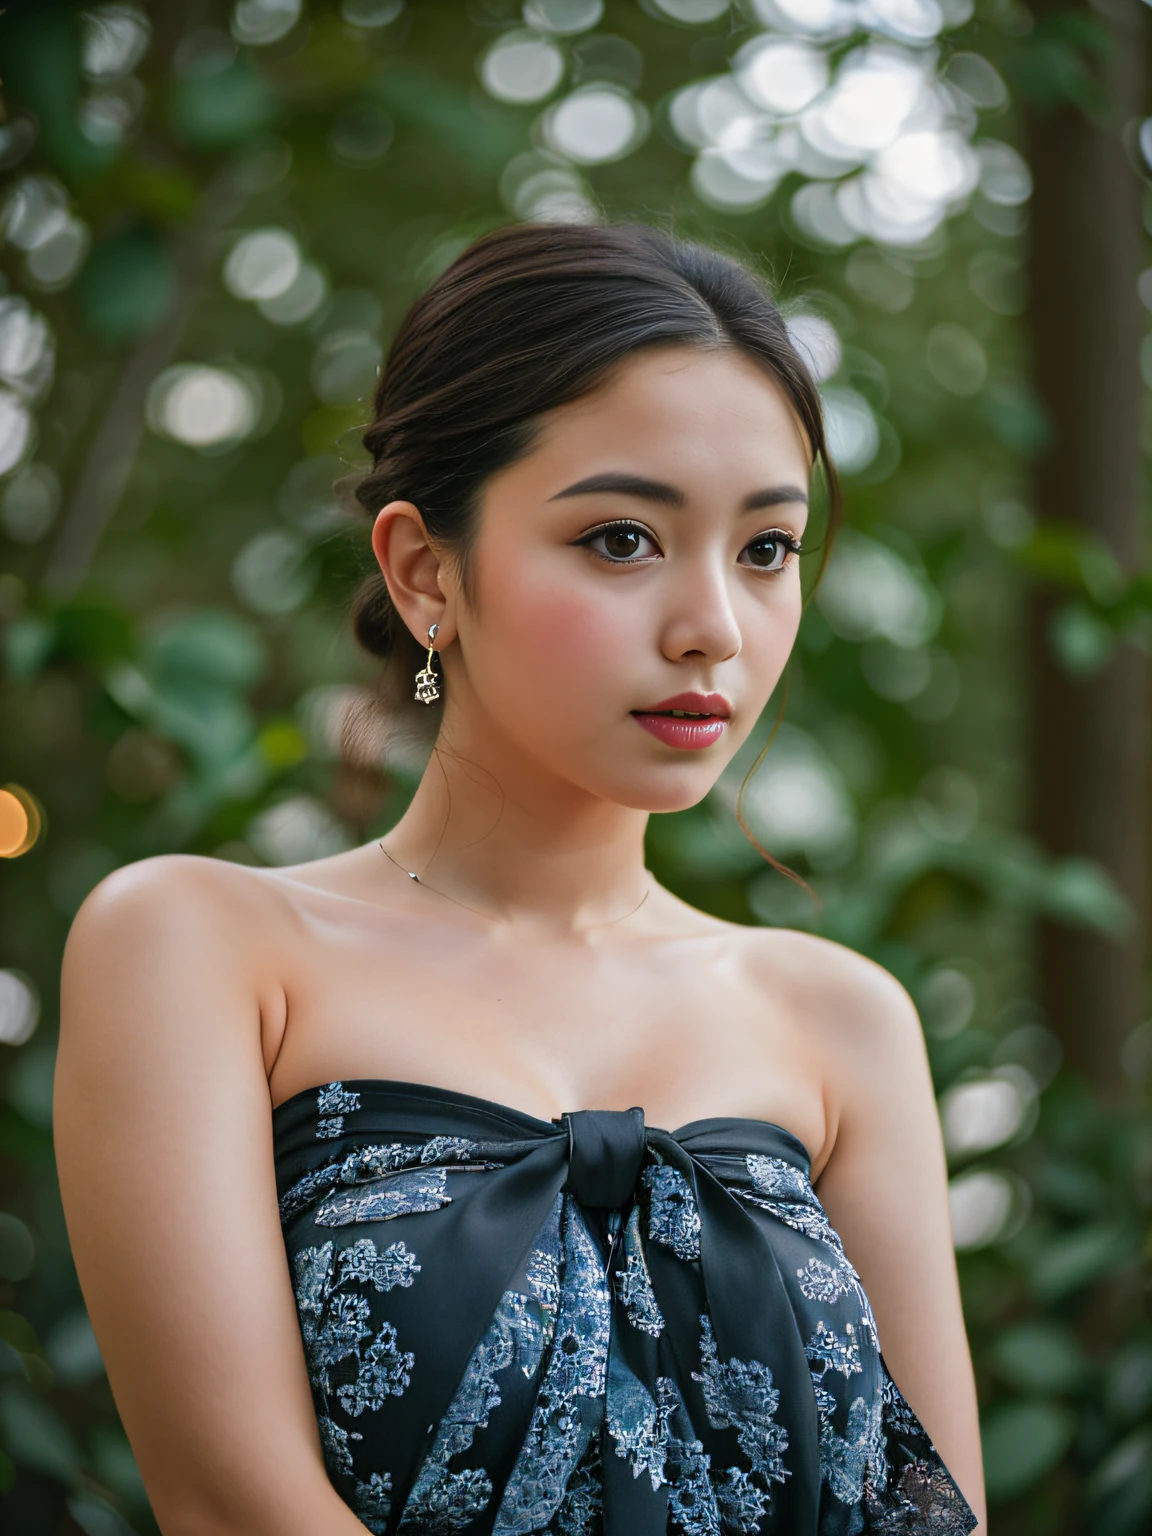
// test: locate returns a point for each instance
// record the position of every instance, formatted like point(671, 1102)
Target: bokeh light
point(816, 340)
point(781, 74)
point(522, 67)
point(986, 1204)
point(259, 22)
point(296, 829)
point(115, 39)
point(15, 430)
point(19, 1007)
point(21, 821)
point(693, 12)
point(29, 503)
point(272, 573)
point(371, 13)
point(563, 17)
point(202, 406)
point(869, 591)
point(262, 264)
point(595, 124)
point(984, 1113)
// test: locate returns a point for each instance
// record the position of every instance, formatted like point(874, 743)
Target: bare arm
point(164, 1149)
point(885, 1187)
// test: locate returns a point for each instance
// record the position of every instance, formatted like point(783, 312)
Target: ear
point(418, 580)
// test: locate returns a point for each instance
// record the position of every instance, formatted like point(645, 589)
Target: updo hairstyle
point(530, 317)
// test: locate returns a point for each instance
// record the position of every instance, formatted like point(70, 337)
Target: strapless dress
point(586, 1326)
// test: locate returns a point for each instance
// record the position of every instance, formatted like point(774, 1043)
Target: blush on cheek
point(560, 633)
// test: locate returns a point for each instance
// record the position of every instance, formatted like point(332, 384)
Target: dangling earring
point(426, 689)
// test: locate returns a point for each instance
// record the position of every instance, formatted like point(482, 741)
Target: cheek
point(562, 639)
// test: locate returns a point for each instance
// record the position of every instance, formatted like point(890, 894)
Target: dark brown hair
point(527, 318)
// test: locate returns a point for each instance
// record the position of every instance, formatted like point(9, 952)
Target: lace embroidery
point(822, 1282)
point(444, 1501)
point(384, 1371)
point(779, 1180)
point(450, 1503)
point(739, 1394)
point(363, 1261)
point(402, 1195)
point(837, 1354)
point(898, 1415)
point(845, 1460)
point(672, 1215)
point(691, 1497)
point(334, 1444)
point(582, 1508)
point(633, 1283)
point(333, 1102)
point(543, 1273)
point(638, 1425)
point(372, 1501)
point(569, 1402)
point(335, 1323)
point(367, 1163)
point(927, 1504)
point(554, 1325)
point(740, 1501)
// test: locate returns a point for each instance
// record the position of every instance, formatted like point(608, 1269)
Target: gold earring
point(426, 689)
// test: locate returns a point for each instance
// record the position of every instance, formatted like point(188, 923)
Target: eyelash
point(778, 535)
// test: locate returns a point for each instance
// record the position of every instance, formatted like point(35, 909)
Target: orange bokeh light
point(21, 821)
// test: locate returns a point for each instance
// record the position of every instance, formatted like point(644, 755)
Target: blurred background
point(213, 216)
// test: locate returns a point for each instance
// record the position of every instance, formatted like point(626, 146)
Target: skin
point(198, 994)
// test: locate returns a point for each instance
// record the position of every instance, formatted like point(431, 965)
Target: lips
point(689, 721)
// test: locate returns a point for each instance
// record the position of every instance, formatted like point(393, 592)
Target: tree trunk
point(1088, 747)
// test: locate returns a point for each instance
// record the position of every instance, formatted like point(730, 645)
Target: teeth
point(686, 714)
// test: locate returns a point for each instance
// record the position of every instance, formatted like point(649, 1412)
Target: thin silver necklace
point(412, 875)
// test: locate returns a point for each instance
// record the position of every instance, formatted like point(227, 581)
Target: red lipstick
point(689, 721)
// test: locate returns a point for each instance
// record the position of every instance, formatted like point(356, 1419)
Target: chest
point(684, 1030)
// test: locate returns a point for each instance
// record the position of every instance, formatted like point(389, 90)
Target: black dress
point(586, 1326)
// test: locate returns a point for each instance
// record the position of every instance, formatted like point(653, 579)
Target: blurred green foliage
point(176, 575)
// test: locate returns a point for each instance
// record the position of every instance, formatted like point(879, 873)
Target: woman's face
point(640, 552)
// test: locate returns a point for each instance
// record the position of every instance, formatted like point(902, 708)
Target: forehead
point(714, 411)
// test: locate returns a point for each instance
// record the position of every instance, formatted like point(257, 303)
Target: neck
point(509, 839)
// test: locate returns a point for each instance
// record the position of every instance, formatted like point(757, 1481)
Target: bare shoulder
point(148, 889)
point(174, 944)
point(834, 987)
point(177, 904)
point(162, 1124)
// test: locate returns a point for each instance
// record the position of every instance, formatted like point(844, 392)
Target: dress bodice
point(587, 1326)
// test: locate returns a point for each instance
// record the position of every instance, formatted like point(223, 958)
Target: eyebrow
point(672, 496)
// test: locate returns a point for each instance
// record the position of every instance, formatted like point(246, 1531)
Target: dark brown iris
point(764, 551)
point(621, 543)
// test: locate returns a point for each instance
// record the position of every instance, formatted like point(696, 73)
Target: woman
point(436, 1072)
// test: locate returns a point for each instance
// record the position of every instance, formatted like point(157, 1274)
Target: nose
point(605, 1155)
point(702, 623)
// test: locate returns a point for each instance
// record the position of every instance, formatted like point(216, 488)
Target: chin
point(661, 793)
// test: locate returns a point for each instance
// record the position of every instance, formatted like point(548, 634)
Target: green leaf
point(1079, 891)
point(1039, 1357)
point(127, 286)
point(96, 1517)
point(1120, 1488)
point(1066, 555)
point(35, 1435)
point(28, 643)
point(205, 646)
point(1023, 1441)
point(1076, 1259)
point(1081, 639)
point(215, 111)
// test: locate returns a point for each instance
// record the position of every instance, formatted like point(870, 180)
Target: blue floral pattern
point(521, 1363)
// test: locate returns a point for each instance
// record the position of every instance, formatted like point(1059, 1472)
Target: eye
point(618, 543)
point(769, 551)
